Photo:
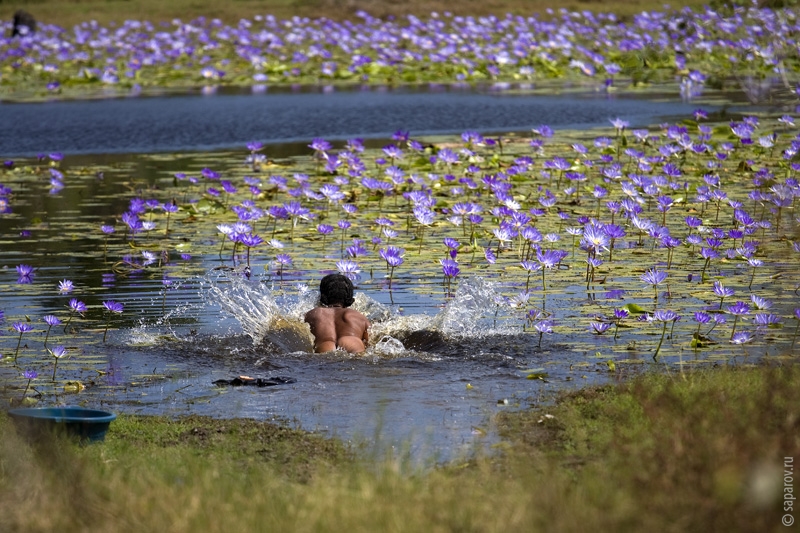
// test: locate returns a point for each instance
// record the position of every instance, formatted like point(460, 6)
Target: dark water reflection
point(194, 122)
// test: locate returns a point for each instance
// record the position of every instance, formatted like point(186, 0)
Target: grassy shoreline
point(669, 452)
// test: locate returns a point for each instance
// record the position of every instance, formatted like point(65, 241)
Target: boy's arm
point(363, 321)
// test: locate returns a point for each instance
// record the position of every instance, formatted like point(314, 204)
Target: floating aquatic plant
point(20, 327)
point(57, 352)
point(369, 49)
point(722, 291)
point(450, 270)
point(754, 263)
point(542, 327)
point(708, 254)
point(25, 274)
point(599, 327)
point(741, 337)
point(530, 266)
point(51, 321)
point(547, 260)
point(30, 375)
point(250, 240)
point(282, 261)
point(505, 204)
point(74, 306)
point(393, 257)
point(107, 230)
point(655, 278)
point(348, 268)
point(111, 308)
point(664, 316)
point(619, 316)
point(65, 286)
point(738, 309)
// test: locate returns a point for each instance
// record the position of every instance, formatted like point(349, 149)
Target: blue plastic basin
point(88, 424)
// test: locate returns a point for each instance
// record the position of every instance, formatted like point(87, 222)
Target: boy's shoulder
point(317, 311)
point(353, 314)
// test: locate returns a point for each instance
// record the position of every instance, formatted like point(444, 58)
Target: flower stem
point(663, 332)
point(733, 330)
point(47, 336)
point(17, 350)
point(703, 274)
point(68, 321)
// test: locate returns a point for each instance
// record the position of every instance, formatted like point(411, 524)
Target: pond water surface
point(444, 362)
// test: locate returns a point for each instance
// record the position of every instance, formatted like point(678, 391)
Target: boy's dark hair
point(336, 289)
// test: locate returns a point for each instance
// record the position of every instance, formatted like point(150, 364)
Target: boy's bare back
point(338, 327)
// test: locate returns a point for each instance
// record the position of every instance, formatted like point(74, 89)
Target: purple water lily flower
point(765, 320)
point(282, 261)
point(393, 257)
point(701, 317)
point(77, 306)
point(348, 268)
point(664, 316)
point(20, 327)
point(619, 124)
point(30, 375)
point(51, 321)
point(449, 267)
point(320, 145)
point(357, 249)
point(25, 274)
point(549, 259)
point(722, 291)
point(655, 278)
point(250, 240)
point(112, 308)
point(57, 352)
point(741, 337)
point(619, 316)
point(760, 303)
point(450, 270)
point(738, 309)
point(65, 286)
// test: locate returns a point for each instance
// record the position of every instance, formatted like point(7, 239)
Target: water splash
point(273, 316)
point(272, 319)
point(473, 311)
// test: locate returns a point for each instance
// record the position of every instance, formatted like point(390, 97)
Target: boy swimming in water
point(332, 324)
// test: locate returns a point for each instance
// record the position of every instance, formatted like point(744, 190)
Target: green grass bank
point(670, 452)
